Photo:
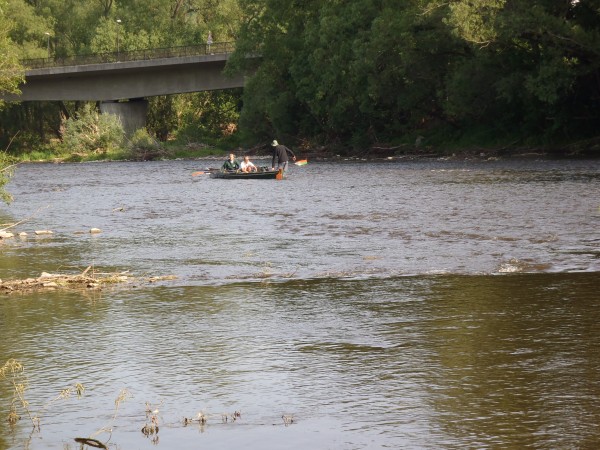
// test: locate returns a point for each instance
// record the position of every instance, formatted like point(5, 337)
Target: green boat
point(237, 175)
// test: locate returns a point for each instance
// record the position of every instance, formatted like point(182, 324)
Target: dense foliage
point(362, 71)
point(11, 72)
point(11, 75)
point(89, 131)
point(348, 72)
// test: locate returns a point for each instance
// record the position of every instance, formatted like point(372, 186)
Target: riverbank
point(420, 149)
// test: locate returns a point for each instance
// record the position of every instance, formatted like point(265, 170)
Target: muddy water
point(381, 305)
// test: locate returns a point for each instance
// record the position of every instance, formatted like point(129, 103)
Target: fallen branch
point(389, 148)
point(10, 143)
point(24, 220)
point(4, 169)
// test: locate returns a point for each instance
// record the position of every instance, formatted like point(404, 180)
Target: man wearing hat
point(280, 154)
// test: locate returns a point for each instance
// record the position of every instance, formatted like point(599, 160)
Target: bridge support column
point(132, 113)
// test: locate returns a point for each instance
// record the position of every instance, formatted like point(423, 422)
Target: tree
point(535, 64)
point(349, 71)
point(360, 71)
point(11, 72)
point(32, 32)
point(11, 75)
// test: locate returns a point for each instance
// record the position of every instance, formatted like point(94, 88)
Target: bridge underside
point(125, 80)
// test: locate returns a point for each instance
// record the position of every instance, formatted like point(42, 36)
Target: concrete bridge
point(121, 81)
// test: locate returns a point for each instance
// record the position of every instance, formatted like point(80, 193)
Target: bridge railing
point(135, 55)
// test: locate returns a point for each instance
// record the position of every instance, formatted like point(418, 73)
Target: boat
point(237, 175)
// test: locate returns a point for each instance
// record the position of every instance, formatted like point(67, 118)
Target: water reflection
point(511, 360)
point(475, 361)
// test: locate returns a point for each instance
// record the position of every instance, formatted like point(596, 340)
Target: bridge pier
point(131, 113)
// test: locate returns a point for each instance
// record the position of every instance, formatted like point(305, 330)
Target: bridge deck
point(93, 78)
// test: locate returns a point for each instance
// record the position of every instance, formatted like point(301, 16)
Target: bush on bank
point(89, 131)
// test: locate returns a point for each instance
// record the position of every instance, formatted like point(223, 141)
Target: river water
point(397, 304)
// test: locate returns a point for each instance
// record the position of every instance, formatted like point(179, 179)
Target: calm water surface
point(383, 305)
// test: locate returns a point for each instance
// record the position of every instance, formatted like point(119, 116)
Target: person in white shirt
point(247, 166)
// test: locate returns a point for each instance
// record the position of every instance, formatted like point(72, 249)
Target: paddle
point(301, 162)
point(203, 172)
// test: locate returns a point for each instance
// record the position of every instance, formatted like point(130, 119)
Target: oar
point(203, 172)
point(301, 162)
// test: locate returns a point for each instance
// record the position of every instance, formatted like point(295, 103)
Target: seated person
point(231, 163)
point(247, 166)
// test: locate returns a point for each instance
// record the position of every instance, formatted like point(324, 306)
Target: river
point(353, 305)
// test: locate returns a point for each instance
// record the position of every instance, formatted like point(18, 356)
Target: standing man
point(280, 154)
point(209, 41)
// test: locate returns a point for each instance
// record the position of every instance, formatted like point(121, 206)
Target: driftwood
point(84, 280)
point(12, 225)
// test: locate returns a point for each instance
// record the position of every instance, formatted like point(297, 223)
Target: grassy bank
point(415, 145)
point(156, 152)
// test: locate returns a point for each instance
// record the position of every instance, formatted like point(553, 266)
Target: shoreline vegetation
point(419, 149)
point(373, 154)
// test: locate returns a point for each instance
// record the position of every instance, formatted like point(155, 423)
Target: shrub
point(143, 147)
point(6, 171)
point(90, 131)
